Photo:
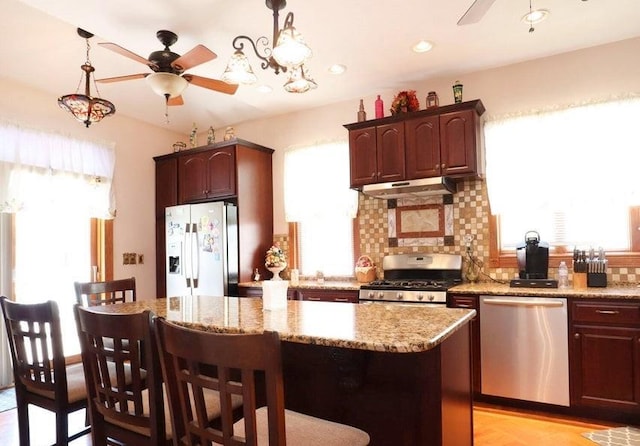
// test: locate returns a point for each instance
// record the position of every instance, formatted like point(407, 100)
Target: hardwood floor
point(492, 427)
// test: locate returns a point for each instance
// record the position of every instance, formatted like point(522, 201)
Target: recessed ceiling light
point(536, 16)
point(422, 47)
point(264, 89)
point(337, 69)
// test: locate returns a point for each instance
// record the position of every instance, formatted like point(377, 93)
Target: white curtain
point(47, 168)
point(577, 157)
point(6, 372)
point(316, 182)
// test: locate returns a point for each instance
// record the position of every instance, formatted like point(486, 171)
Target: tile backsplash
point(469, 208)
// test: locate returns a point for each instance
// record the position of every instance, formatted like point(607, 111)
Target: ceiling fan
point(168, 77)
point(475, 12)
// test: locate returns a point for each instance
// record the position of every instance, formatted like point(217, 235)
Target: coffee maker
point(533, 257)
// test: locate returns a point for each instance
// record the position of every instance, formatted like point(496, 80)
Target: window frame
point(629, 259)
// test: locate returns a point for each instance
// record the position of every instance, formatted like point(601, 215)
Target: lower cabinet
point(462, 301)
point(605, 355)
point(324, 295)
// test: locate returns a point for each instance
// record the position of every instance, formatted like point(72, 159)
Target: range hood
point(411, 188)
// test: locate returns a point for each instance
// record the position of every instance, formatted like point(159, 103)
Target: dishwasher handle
point(525, 302)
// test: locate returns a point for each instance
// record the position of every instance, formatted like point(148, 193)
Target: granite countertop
point(630, 291)
point(380, 327)
point(312, 284)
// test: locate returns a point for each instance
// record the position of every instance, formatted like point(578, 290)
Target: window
point(568, 174)
point(319, 201)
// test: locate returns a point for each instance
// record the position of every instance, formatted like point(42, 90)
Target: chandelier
point(84, 107)
point(289, 54)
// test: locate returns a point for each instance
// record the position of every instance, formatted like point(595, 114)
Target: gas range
point(414, 279)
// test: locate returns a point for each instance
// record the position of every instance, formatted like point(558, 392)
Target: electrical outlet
point(129, 258)
point(468, 238)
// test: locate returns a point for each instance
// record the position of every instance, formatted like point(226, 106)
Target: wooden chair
point(188, 355)
point(124, 386)
point(103, 293)
point(41, 376)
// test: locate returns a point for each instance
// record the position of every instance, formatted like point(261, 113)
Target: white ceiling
point(372, 37)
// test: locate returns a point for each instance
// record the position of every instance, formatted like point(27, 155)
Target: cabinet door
point(166, 195)
point(605, 367)
point(221, 173)
point(390, 152)
point(192, 177)
point(458, 143)
point(362, 156)
point(422, 138)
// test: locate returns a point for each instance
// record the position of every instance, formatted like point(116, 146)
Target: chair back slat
point(105, 293)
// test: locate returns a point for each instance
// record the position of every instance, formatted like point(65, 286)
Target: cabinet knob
point(442, 165)
point(576, 335)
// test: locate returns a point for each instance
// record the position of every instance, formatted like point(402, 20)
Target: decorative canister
point(432, 99)
point(457, 92)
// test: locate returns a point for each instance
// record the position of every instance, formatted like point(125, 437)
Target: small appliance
point(533, 263)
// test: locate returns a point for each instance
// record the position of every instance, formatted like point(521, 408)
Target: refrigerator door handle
point(195, 272)
point(187, 254)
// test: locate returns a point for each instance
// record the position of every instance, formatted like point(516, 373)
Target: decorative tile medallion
point(420, 221)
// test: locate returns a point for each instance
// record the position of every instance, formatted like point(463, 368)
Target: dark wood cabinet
point(459, 137)
point(605, 355)
point(324, 295)
point(471, 302)
point(237, 171)
point(444, 141)
point(350, 296)
point(207, 175)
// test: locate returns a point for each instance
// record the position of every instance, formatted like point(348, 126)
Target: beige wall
point(136, 143)
point(584, 75)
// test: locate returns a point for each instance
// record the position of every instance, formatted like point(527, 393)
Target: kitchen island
point(401, 373)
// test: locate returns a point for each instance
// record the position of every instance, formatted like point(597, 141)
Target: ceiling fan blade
point(128, 77)
point(211, 84)
point(198, 55)
point(475, 12)
point(175, 101)
point(126, 53)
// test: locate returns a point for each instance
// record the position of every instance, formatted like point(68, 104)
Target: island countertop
point(379, 327)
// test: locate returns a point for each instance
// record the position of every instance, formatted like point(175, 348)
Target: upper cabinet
point(443, 141)
point(207, 176)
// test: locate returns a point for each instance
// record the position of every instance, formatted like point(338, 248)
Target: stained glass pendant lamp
point(84, 107)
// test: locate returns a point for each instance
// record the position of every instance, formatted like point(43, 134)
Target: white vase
point(275, 270)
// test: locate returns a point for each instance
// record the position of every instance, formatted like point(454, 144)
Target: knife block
point(579, 280)
point(596, 279)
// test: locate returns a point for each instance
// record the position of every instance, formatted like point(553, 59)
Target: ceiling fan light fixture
point(535, 16)
point(239, 70)
point(164, 84)
point(84, 107)
point(300, 81)
point(337, 69)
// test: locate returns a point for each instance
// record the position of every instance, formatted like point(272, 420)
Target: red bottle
point(379, 108)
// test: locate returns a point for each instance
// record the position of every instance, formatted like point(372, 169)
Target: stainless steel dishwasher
point(524, 348)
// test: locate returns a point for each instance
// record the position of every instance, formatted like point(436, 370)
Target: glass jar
point(432, 99)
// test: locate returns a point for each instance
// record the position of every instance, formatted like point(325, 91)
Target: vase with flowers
point(275, 261)
point(405, 101)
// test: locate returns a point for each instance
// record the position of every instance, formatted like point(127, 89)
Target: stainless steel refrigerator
point(202, 249)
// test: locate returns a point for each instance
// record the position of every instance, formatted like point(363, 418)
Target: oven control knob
point(370, 295)
point(399, 296)
point(431, 297)
point(381, 295)
point(420, 296)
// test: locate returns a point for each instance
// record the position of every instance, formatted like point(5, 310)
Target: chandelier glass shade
point(289, 54)
point(84, 107)
point(239, 70)
point(299, 81)
point(168, 85)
